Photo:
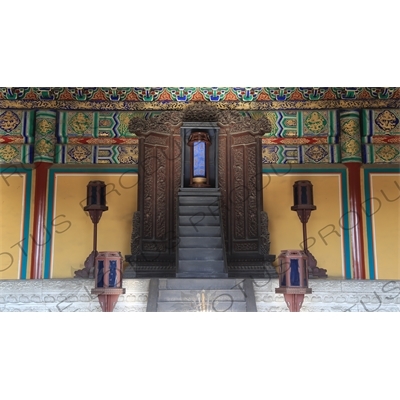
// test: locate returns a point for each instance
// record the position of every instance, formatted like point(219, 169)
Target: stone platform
point(68, 295)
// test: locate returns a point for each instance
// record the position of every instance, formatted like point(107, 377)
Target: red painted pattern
point(38, 234)
point(356, 222)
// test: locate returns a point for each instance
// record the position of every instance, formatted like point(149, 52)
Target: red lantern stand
point(108, 279)
point(293, 278)
point(107, 264)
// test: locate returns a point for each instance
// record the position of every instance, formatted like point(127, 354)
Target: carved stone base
point(252, 266)
point(88, 270)
point(108, 297)
point(249, 269)
point(294, 301)
point(140, 267)
point(314, 272)
point(129, 272)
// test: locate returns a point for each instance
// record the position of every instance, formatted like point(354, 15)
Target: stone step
point(199, 220)
point(200, 284)
point(200, 231)
point(198, 201)
point(202, 275)
point(212, 296)
point(202, 266)
point(228, 306)
point(203, 242)
point(194, 253)
point(199, 210)
point(199, 192)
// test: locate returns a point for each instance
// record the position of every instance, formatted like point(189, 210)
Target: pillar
point(350, 144)
point(45, 139)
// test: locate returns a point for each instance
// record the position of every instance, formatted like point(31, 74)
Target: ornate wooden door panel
point(156, 202)
point(244, 196)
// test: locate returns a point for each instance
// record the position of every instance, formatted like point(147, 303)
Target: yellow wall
point(73, 230)
point(285, 227)
point(385, 189)
point(13, 192)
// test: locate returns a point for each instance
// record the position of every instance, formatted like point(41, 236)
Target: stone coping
point(66, 295)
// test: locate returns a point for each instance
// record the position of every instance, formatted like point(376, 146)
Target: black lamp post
point(95, 205)
point(303, 204)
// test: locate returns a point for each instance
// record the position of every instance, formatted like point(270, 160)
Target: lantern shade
point(108, 269)
point(303, 196)
point(293, 272)
point(199, 160)
point(199, 143)
point(108, 279)
point(96, 196)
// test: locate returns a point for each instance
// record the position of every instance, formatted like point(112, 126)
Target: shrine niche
point(228, 168)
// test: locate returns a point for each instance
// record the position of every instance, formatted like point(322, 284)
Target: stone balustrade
point(68, 295)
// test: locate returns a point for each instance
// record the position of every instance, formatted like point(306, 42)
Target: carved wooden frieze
point(177, 161)
point(135, 238)
point(222, 179)
point(200, 112)
point(245, 246)
point(169, 121)
point(153, 139)
point(252, 211)
point(264, 233)
point(162, 123)
point(242, 139)
point(148, 192)
point(161, 194)
point(238, 193)
point(238, 122)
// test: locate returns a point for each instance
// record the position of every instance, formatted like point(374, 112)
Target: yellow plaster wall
point(12, 211)
point(285, 227)
point(73, 230)
point(385, 189)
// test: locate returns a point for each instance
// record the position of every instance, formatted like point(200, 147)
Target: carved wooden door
point(243, 195)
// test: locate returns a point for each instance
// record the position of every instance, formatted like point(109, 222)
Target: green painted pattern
point(185, 94)
point(45, 139)
point(350, 136)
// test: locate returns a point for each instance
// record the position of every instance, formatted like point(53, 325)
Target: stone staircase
point(200, 252)
point(201, 295)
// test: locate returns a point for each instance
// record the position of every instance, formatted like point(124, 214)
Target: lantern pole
point(304, 216)
point(304, 233)
point(95, 216)
point(95, 237)
point(303, 205)
point(95, 205)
